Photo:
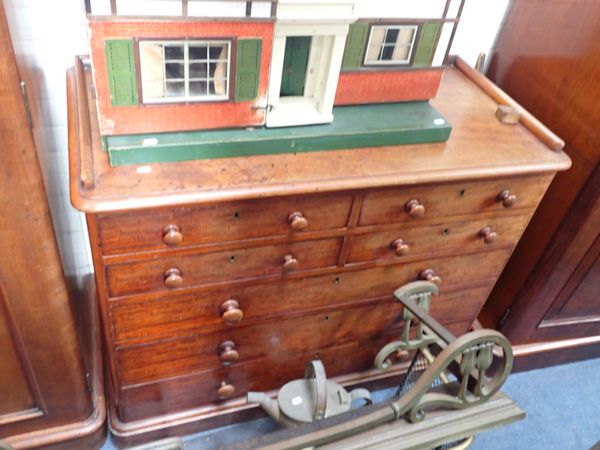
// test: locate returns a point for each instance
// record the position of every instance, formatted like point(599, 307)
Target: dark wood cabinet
point(547, 301)
point(51, 390)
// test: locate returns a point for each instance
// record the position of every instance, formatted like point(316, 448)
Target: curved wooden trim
point(537, 347)
point(39, 408)
point(95, 423)
point(279, 190)
point(540, 130)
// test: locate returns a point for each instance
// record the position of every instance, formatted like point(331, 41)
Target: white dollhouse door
point(305, 67)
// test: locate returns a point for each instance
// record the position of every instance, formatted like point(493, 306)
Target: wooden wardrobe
point(547, 301)
point(51, 392)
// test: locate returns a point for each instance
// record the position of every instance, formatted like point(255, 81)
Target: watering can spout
point(268, 404)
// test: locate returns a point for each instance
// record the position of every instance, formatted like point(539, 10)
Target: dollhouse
point(172, 66)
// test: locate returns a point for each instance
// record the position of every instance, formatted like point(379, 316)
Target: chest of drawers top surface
point(229, 274)
point(479, 147)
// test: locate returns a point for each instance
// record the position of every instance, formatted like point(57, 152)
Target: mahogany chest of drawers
point(222, 276)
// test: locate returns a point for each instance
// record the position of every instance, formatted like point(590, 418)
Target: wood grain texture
point(150, 317)
point(446, 200)
point(91, 432)
point(570, 264)
point(223, 222)
point(163, 345)
point(553, 75)
point(195, 389)
point(467, 154)
point(19, 390)
point(537, 355)
point(462, 236)
point(84, 135)
point(293, 335)
point(40, 349)
point(211, 268)
point(525, 117)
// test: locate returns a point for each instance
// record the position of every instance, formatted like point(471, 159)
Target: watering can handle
point(362, 394)
point(316, 370)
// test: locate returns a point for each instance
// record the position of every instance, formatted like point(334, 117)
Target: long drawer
point(208, 268)
point(197, 389)
point(423, 203)
point(151, 317)
point(462, 236)
point(222, 222)
point(294, 335)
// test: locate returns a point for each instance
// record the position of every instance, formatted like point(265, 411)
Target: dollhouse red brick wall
point(115, 120)
point(362, 87)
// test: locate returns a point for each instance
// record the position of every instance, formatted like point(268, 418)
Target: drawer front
point(463, 236)
point(209, 268)
point(143, 319)
point(280, 338)
point(191, 391)
point(222, 222)
point(393, 205)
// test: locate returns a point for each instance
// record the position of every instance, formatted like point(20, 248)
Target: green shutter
point(120, 65)
point(355, 45)
point(426, 45)
point(247, 71)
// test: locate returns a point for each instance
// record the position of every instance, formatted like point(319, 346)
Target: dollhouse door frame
point(324, 63)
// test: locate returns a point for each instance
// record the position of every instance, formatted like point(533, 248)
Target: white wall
point(478, 28)
point(46, 36)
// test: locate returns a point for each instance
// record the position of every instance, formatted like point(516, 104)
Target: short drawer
point(279, 338)
point(422, 203)
point(263, 374)
point(222, 222)
point(208, 268)
point(463, 236)
point(166, 315)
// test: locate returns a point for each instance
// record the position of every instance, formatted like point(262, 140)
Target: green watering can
point(310, 399)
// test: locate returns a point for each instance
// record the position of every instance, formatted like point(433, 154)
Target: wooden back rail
point(84, 133)
point(386, 169)
point(540, 130)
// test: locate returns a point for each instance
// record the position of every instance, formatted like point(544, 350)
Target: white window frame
point(391, 62)
point(187, 98)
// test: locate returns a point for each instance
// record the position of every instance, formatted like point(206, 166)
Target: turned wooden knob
point(225, 390)
point(400, 247)
point(430, 275)
point(172, 235)
point(414, 208)
point(231, 312)
point(297, 221)
point(173, 278)
point(507, 199)
point(488, 234)
point(401, 355)
point(227, 352)
point(290, 263)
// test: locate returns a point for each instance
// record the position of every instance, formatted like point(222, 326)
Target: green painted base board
point(353, 127)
